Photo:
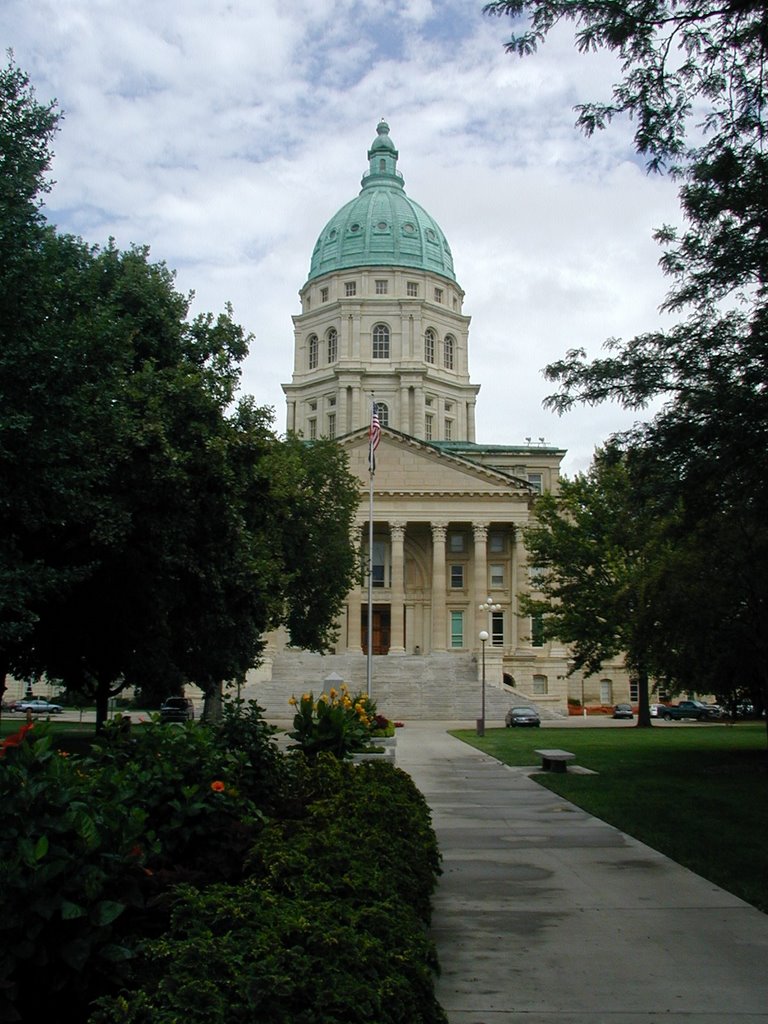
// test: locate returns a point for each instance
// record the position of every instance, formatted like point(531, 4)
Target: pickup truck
point(689, 709)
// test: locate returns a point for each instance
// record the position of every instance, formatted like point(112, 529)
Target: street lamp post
point(481, 719)
point(487, 606)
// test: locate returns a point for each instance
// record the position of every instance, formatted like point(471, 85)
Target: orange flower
point(217, 786)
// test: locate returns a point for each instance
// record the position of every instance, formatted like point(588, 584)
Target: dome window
point(381, 341)
point(333, 234)
point(431, 235)
point(382, 225)
point(449, 351)
point(409, 228)
point(430, 339)
point(354, 227)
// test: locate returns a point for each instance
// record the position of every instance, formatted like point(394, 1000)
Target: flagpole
point(374, 434)
point(369, 683)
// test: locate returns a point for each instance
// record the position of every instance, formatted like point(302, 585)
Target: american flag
point(374, 436)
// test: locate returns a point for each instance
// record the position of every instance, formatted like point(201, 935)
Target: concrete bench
point(555, 760)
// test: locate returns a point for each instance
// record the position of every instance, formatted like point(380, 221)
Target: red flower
point(16, 739)
point(217, 786)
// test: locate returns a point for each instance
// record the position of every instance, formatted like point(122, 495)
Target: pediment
point(406, 465)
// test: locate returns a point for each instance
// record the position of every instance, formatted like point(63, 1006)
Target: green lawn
point(698, 794)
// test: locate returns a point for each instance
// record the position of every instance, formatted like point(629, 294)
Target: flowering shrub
point(124, 870)
point(328, 929)
point(92, 844)
point(335, 722)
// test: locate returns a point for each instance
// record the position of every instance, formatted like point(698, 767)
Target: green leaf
point(106, 911)
point(69, 910)
point(41, 847)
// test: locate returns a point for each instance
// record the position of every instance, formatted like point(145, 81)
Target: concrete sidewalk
point(546, 915)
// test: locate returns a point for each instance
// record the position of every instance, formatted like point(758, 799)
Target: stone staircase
point(439, 686)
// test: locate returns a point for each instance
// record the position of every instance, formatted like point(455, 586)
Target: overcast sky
point(225, 135)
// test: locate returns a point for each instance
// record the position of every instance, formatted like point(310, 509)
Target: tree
point(693, 80)
point(601, 552)
point(152, 526)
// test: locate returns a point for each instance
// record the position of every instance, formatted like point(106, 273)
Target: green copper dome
point(382, 226)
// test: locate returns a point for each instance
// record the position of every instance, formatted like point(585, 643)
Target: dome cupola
point(382, 226)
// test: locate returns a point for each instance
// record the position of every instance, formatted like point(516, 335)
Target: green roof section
point(382, 226)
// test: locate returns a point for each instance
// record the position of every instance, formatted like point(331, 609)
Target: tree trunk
point(643, 703)
point(212, 703)
point(102, 704)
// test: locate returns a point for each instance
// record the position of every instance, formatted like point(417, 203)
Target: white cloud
point(226, 134)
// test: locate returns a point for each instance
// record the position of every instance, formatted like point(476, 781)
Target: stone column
point(439, 531)
point(354, 611)
point(480, 531)
point(397, 591)
point(518, 582)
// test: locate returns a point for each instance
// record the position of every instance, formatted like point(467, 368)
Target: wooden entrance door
point(381, 622)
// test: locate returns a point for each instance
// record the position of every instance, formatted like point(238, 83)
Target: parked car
point(522, 716)
point(177, 709)
point(37, 707)
point(657, 710)
point(690, 709)
point(623, 711)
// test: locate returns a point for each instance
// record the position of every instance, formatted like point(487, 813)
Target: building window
point(313, 406)
point(534, 479)
point(313, 350)
point(540, 685)
point(333, 345)
point(312, 430)
point(449, 430)
point(430, 341)
point(323, 294)
point(438, 294)
point(381, 341)
point(496, 543)
point(456, 542)
point(448, 351)
point(350, 288)
point(606, 692)
point(382, 410)
point(331, 400)
point(378, 563)
point(332, 425)
point(634, 691)
point(428, 427)
point(497, 576)
point(457, 577)
point(381, 287)
point(497, 629)
point(412, 289)
point(457, 629)
point(537, 631)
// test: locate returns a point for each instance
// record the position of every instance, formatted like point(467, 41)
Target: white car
point(38, 707)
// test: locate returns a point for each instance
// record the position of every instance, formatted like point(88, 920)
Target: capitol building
point(382, 320)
